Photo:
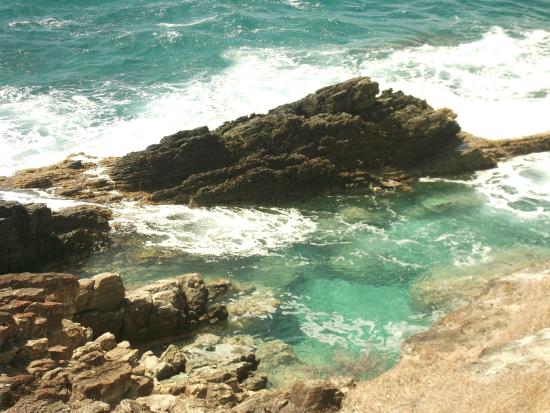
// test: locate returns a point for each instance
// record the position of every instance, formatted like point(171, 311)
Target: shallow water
point(354, 275)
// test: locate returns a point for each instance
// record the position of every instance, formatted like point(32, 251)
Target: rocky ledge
point(64, 347)
point(34, 235)
point(490, 355)
point(347, 137)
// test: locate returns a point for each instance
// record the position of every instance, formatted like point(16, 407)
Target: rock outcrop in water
point(343, 137)
point(55, 355)
point(33, 235)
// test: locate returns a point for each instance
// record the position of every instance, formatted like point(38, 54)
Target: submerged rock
point(34, 235)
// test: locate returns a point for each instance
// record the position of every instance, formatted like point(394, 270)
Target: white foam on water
point(520, 185)
point(39, 197)
point(215, 231)
point(192, 23)
point(498, 85)
point(337, 330)
point(47, 22)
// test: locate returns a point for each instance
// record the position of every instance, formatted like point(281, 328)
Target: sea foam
point(498, 85)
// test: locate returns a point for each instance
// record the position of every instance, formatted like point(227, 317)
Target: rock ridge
point(345, 138)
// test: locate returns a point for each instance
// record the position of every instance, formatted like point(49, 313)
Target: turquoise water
point(110, 76)
point(353, 276)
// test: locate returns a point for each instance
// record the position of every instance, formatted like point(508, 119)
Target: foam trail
point(215, 231)
point(520, 185)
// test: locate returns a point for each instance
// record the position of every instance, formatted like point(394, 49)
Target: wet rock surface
point(341, 137)
point(33, 235)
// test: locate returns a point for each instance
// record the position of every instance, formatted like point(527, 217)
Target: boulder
point(164, 308)
point(315, 396)
point(100, 302)
point(33, 236)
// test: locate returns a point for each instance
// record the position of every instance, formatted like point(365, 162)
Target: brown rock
point(164, 308)
point(99, 304)
point(298, 150)
point(316, 396)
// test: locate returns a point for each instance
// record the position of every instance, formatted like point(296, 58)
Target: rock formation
point(50, 361)
point(34, 235)
point(344, 138)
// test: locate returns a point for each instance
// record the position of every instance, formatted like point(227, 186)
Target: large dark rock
point(34, 236)
point(341, 138)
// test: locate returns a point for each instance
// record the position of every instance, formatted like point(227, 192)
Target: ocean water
point(354, 276)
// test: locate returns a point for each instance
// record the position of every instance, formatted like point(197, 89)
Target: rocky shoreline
point(65, 346)
point(91, 345)
point(345, 138)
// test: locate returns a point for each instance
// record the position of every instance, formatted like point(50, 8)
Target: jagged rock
point(34, 350)
point(99, 304)
point(71, 335)
point(175, 357)
point(255, 382)
point(156, 367)
point(343, 137)
point(163, 308)
point(273, 401)
point(13, 387)
point(55, 287)
point(316, 396)
point(67, 371)
point(99, 375)
point(33, 235)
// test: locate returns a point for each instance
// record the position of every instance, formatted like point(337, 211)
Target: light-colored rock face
point(248, 307)
point(163, 308)
point(528, 353)
point(166, 307)
point(99, 304)
point(491, 355)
